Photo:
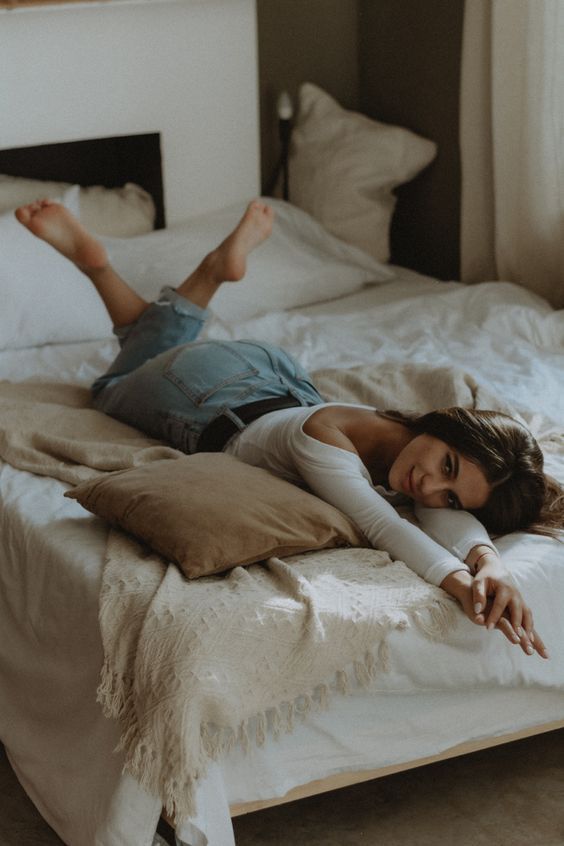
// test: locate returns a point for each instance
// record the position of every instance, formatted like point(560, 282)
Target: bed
point(339, 310)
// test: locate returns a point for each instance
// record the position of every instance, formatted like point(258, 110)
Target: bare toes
point(23, 214)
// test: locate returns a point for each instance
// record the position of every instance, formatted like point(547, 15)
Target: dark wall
point(397, 61)
point(304, 41)
point(410, 52)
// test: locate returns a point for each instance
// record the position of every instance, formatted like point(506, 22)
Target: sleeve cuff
point(439, 571)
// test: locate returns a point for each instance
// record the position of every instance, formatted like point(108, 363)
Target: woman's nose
point(430, 485)
point(431, 495)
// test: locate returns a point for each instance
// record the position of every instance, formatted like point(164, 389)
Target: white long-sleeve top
point(277, 442)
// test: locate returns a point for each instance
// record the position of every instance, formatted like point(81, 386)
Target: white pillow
point(45, 298)
point(301, 263)
point(344, 166)
point(118, 212)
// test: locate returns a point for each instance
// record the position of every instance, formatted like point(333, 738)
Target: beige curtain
point(512, 144)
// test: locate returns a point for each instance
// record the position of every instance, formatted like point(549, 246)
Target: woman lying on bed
point(252, 400)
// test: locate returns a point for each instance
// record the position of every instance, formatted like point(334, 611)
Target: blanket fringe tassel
point(169, 781)
point(165, 774)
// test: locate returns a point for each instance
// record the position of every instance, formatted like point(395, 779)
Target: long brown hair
point(523, 497)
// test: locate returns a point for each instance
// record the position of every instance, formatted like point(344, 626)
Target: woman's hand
point(498, 588)
point(497, 603)
point(530, 641)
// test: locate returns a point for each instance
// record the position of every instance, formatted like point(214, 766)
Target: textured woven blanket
point(191, 668)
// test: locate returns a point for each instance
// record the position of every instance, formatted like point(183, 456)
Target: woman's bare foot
point(55, 224)
point(228, 262)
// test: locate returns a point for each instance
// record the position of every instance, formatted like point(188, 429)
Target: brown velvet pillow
point(210, 512)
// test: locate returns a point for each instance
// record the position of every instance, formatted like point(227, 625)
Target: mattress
point(472, 685)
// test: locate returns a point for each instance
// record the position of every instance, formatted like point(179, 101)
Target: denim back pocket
point(203, 369)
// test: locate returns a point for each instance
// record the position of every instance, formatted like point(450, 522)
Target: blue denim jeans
point(171, 386)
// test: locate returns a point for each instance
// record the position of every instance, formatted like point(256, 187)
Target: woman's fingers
point(528, 644)
point(479, 595)
point(509, 603)
point(538, 645)
point(505, 610)
point(511, 634)
point(494, 600)
point(515, 609)
point(505, 627)
point(527, 623)
point(500, 603)
point(525, 643)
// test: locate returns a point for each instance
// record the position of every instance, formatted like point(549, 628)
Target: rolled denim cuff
point(167, 296)
point(121, 332)
point(181, 304)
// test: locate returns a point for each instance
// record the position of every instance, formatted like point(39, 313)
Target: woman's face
point(438, 476)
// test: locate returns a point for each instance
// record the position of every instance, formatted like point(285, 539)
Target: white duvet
point(511, 343)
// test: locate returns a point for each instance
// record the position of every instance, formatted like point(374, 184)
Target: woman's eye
point(448, 465)
point(452, 501)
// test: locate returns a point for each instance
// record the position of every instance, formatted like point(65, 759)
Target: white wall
point(187, 69)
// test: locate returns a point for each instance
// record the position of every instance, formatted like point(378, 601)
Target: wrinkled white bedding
point(512, 343)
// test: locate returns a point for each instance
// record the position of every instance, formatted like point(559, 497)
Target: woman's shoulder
point(339, 414)
point(329, 424)
point(303, 431)
point(338, 424)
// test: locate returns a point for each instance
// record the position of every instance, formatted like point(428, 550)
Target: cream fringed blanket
point(193, 667)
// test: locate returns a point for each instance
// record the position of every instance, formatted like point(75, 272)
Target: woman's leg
point(177, 318)
point(228, 262)
point(55, 224)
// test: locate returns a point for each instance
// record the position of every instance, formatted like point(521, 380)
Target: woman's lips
point(408, 486)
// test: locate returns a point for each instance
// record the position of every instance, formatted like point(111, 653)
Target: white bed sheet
point(473, 685)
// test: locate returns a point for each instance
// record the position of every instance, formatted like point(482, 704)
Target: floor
point(512, 795)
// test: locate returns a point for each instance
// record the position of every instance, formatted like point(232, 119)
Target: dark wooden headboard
point(110, 162)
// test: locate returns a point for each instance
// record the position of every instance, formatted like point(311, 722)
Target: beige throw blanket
point(52, 430)
point(193, 667)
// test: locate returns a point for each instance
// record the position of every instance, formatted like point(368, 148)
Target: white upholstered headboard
point(184, 68)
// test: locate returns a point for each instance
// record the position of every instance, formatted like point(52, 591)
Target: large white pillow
point(119, 212)
point(45, 298)
point(344, 166)
point(301, 263)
